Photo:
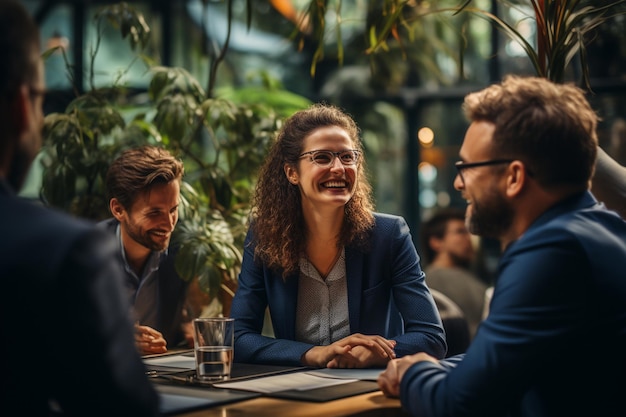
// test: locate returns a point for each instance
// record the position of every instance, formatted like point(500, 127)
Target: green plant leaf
point(129, 20)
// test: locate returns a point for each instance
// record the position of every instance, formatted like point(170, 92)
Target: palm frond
point(563, 27)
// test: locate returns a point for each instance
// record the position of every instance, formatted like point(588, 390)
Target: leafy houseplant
point(222, 142)
point(564, 28)
point(222, 138)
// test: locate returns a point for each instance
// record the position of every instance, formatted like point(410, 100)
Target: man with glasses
point(554, 341)
point(67, 339)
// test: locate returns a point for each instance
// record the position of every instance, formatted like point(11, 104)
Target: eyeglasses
point(327, 158)
point(460, 165)
point(36, 92)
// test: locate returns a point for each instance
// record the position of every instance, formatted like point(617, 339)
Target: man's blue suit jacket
point(554, 343)
point(387, 296)
point(64, 320)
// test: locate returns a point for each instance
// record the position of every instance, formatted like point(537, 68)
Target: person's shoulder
point(581, 222)
point(596, 224)
point(35, 216)
point(389, 226)
point(47, 234)
point(388, 219)
point(583, 219)
point(453, 276)
point(390, 222)
point(108, 225)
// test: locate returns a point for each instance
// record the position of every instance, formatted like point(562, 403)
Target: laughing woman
point(343, 284)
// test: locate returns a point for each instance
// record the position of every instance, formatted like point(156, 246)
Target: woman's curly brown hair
point(278, 226)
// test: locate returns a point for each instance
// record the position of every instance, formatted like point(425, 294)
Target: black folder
point(175, 399)
point(180, 391)
point(324, 394)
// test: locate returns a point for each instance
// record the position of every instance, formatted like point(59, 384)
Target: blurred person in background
point(449, 253)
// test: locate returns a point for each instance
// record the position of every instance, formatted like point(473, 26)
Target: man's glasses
point(327, 158)
point(36, 92)
point(461, 166)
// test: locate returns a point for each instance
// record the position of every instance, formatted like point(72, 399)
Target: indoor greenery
point(563, 28)
point(221, 140)
point(222, 136)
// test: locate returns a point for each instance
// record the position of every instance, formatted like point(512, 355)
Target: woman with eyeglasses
point(343, 284)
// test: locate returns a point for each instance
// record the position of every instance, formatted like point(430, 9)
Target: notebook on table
point(175, 399)
point(250, 380)
point(317, 385)
point(179, 391)
point(180, 368)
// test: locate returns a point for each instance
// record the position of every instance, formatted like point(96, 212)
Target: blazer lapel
point(284, 294)
point(354, 270)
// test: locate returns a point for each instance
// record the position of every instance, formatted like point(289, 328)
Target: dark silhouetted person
point(68, 344)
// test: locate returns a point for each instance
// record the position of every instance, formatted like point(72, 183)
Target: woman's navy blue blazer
point(387, 296)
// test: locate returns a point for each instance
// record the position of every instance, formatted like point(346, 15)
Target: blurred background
point(404, 86)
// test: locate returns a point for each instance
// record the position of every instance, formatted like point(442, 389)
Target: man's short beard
point(490, 217)
point(143, 239)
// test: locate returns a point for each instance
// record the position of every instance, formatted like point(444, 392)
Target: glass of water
point(213, 345)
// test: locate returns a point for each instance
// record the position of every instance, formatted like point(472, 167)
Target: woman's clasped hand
point(354, 351)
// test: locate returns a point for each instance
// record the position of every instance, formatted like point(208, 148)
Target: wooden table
point(373, 404)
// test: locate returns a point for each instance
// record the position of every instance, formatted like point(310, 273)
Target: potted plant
point(222, 142)
point(563, 27)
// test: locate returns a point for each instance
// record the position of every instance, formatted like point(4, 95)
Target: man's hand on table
point(389, 380)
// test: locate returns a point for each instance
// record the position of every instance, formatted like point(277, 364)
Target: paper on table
point(174, 361)
point(360, 374)
point(300, 381)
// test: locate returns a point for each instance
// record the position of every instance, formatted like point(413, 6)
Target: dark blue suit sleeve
point(510, 347)
point(102, 375)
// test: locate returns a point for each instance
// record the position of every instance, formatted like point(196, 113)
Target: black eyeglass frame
point(460, 165)
point(34, 92)
point(356, 153)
